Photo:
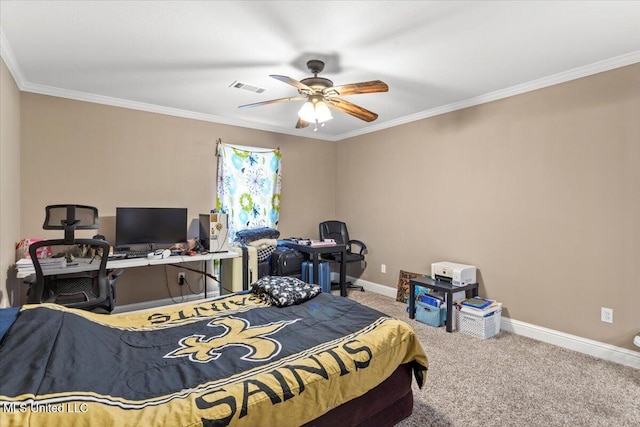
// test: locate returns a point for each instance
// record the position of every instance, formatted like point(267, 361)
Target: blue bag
point(430, 315)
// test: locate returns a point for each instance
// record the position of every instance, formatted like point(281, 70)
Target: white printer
point(456, 274)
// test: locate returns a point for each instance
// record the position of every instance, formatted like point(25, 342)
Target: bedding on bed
point(233, 360)
point(283, 291)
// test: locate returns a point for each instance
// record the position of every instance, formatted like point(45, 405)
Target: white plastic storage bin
point(477, 325)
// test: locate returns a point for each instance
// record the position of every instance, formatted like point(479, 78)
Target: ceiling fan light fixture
point(320, 95)
point(307, 112)
point(315, 112)
point(322, 112)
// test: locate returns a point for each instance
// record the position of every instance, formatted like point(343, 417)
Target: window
point(249, 182)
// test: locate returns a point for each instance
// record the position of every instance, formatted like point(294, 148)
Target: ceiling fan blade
point(301, 124)
point(293, 82)
point(357, 88)
point(274, 101)
point(353, 109)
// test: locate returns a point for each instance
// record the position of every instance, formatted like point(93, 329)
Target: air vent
point(250, 88)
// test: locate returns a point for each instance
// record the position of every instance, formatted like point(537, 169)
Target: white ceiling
point(180, 57)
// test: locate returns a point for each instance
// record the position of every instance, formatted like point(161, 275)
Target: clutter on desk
point(325, 242)
point(192, 245)
point(299, 241)
point(311, 242)
point(22, 249)
point(25, 265)
point(65, 255)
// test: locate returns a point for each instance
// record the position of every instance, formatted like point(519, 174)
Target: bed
point(234, 360)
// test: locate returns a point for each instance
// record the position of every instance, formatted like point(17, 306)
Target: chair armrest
point(363, 247)
point(114, 274)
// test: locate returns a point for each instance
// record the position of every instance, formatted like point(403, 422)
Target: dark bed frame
point(383, 406)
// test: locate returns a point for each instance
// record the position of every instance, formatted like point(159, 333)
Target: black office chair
point(337, 230)
point(92, 290)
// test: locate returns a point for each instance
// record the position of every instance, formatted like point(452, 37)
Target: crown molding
point(576, 73)
point(150, 108)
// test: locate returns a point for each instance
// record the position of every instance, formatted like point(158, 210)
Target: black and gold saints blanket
point(232, 360)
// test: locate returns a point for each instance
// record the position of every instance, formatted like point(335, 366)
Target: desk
point(314, 251)
point(438, 285)
point(85, 264)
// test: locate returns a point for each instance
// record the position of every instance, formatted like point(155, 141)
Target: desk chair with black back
point(88, 290)
point(337, 230)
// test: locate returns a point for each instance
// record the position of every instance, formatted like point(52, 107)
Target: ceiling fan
point(320, 93)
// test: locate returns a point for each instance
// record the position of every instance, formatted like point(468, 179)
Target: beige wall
point(540, 191)
point(9, 184)
point(78, 152)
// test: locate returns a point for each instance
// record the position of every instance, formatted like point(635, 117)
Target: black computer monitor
point(159, 227)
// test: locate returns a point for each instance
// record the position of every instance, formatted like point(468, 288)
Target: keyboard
point(136, 254)
point(129, 254)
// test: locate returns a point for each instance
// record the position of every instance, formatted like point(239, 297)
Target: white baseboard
point(593, 348)
point(374, 287)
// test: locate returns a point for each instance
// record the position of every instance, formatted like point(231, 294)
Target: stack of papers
point(432, 300)
point(322, 243)
point(477, 302)
point(479, 306)
point(26, 264)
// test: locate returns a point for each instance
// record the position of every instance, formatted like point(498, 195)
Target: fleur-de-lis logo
point(237, 332)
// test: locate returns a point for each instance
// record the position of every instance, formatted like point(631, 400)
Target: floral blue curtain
point(249, 183)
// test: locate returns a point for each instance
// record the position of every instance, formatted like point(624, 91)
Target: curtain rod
point(245, 147)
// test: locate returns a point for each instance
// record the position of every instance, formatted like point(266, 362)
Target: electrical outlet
point(606, 314)
point(383, 268)
point(181, 278)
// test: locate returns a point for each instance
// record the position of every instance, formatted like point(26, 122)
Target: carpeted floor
point(509, 380)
